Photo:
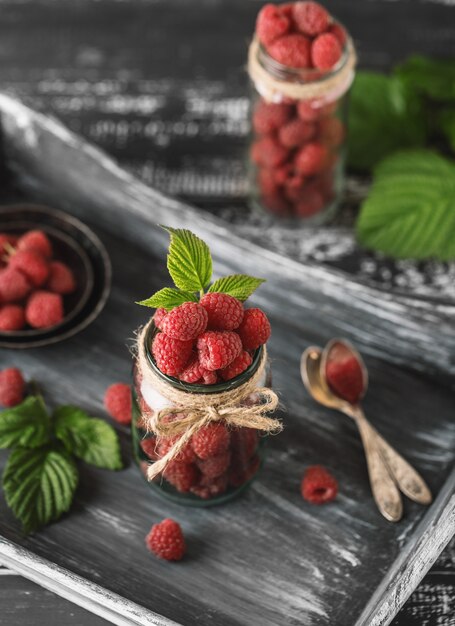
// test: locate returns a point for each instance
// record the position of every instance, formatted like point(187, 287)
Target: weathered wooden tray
point(267, 558)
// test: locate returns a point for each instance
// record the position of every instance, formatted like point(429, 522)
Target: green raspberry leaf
point(39, 485)
point(385, 115)
point(433, 78)
point(27, 424)
point(239, 286)
point(90, 439)
point(189, 260)
point(410, 211)
point(168, 299)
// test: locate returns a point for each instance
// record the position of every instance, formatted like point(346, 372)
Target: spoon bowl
point(343, 372)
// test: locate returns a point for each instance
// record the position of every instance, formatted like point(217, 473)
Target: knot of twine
point(329, 88)
point(202, 409)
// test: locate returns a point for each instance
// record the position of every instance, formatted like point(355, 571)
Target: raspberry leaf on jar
point(168, 298)
point(189, 260)
point(27, 424)
point(238, 286)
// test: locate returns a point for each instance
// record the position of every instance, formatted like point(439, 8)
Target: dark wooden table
point(161, 86)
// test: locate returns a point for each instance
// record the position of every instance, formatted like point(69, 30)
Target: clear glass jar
point(298, 146)
point(193, 481)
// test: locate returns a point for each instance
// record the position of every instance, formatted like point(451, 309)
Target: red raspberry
point(224, 312)
point(339, 32)
point(318, 485)
point(331, 131)
point(12, 386)
point(37, 241)
point(311, 159)
point(32, 265)
point(345, 378)
point(291, 50)
point(255, 329)
point(193, 371)
point(238, 475)
point(117, 400)
point(293, 187)
point(61, 278)
point(267, 183)
point(211, 487)
point(218, 348)
point(158, 318)
point(268, 152)
point(282, 173)
point(166, 540)
point(271, 23)
point(295, 133)
point(209, 378)
point(211, 440)
point(276, 203)
point(148, 446)
point(238, 365)
point(44, 309)
point(171, 355)
point(6, 241)
point(13, 285)
point(214, 466)
point(185, 322)
point(12, 317)
point(312, 110)
point(326, 51)
point(310, 18)
point(186, 455)
point(311, 202)
point(181, 475)
point(268, 117)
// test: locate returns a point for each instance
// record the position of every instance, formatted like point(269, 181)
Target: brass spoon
point(407, 478)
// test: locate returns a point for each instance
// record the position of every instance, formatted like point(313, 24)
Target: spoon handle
point(384, 489)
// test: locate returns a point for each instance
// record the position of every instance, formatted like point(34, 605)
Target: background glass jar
point(298, 146)
point(191, 480)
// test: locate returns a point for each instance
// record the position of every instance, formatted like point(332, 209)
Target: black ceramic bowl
point(75, 244)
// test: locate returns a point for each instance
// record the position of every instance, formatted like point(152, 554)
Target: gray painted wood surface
point(267, 556)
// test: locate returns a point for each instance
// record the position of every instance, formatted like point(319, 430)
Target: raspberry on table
point(345, 378)
point(44, 309)
point(295, 133)
point(224, 311)
point(158, 318)
point(238, 365)
point(14, 285)
point(255, 329)
point(166, 540)
point(217, 349)
point(12, 317)
point(185, 322)
point(318, 485)
point(117, 400)
point(310, 18)
point(211, 440)
point(32, 265)
point(171, 355)
point(37, 241)
point(311, 202)
point(12, 387)
point(326, 51)
point(61, 278)
point(214, 466)
point(268, 117)
point(311, 159)
point(268, 152)
point(181, 475)
point(292, 50)
point(271, 23)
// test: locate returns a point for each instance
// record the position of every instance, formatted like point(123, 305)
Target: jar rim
point(193, 387)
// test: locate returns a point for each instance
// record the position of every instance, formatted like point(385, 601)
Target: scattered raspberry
point(214, 466)
point(171, 355)
point(61, 278)
point(311, 203)
point(331, 131)
point(12, 387)
point(217, 349)
point(12, 317)
point(310, 18)
point(318, 485)
point(148, 446)
point(326, 51)
point(269, 117)
point(345, 378)
point(293, 187)
point(44, 309)
point(32, 265)
point(181, 475)
point(339, 32)
point(185, 322)
point(311, 159)
point(224, 312)
point(37, 241)
point(271, 23)
point(211, 440)
point(186, 455)
point(117, 401)
point(295, 133)
point(166, 540)
point(268, 152)
point(14, 285)
point(255, 329)
point(158, 318)
point(292, 50)
point(238, 365)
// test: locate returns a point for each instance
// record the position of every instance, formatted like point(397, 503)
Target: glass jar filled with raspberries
point(201, 389)
point(301, 62)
